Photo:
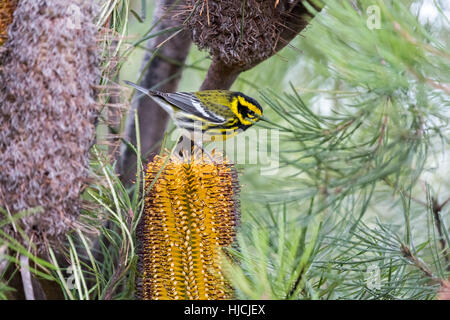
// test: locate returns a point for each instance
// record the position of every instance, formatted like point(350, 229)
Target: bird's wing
point(189, 103)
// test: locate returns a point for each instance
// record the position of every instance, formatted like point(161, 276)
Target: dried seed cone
point(190, 214)
point(238, 32)
point(47, 114)
point(7, 8)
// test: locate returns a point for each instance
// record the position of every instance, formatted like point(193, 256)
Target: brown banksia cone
point(7, 8)
point(243, 33)
point(191, 213)
point(47, 115)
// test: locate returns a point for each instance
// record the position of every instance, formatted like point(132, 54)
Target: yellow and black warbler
point(218, 114)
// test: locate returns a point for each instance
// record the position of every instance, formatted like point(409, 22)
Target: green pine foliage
point(354, 213)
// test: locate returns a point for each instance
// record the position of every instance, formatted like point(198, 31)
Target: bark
point(152, 119)
point(220, 76)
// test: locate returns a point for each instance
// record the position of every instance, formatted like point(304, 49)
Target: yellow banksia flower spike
point(190, 214)
point(7, 8)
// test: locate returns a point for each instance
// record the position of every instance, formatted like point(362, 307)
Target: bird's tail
point(139, 88)
point(158, 97)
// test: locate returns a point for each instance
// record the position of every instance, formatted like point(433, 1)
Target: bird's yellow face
point(246, 109)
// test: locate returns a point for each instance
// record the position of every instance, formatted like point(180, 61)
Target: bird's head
point(246, 109)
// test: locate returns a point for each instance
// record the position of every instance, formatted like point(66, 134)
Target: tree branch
point(437, 208)
point(222, 76)
point(26, 278)
point(152, 119)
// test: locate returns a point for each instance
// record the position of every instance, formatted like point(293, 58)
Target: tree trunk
point(152, 119)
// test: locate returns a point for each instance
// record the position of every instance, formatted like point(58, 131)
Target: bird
point(216, 114)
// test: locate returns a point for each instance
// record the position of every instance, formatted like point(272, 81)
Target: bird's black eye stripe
point(244, 110)
point(249, 113)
